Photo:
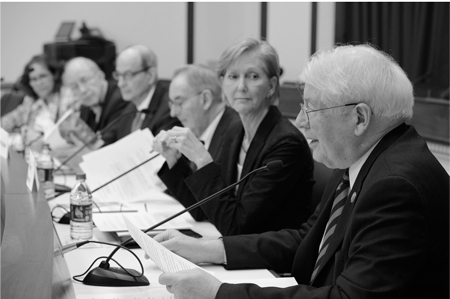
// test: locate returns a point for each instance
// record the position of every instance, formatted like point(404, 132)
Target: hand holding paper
point(166, 260)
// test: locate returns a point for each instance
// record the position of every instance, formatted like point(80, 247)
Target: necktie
point(137, 121)
point(90, 121)
point(338, 205)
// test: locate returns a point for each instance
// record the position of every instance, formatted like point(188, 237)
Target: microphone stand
point(104, 275)
point(126, 172)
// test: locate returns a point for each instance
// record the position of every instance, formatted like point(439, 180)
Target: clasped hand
point(171, 144)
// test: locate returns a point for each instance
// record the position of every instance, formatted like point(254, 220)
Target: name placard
point(32, 177)
point(4, 143)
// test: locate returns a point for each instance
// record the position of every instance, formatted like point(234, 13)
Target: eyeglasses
point(305, 109)
point(39, 78)
point(83, 81)
point(178, 103)
point(128, 76)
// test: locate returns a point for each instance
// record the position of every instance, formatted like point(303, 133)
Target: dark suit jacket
point(112, 107)
point(267, 200)
point(392, 241)
point(156, 120)
point(174, 178)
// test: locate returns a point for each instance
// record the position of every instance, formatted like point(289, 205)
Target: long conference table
point(34, 267)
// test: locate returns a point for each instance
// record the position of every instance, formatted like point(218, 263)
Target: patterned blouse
point(38, 114)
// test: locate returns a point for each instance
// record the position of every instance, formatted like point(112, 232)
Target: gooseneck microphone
point(99, 135)
point(120, 175)
point(68, 248)
point(104, 275)
point(130, 170)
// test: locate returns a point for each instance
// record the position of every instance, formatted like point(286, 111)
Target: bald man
point(101, 100)
point(196, 100)
point(137, 77)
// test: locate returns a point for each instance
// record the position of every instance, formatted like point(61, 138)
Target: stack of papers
point(114, 222)
point(110, 162)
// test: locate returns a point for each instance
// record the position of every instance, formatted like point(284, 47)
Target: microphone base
point(114, 277)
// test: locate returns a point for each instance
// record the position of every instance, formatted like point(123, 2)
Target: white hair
point(360, 74)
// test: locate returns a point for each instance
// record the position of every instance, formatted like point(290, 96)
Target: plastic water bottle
point(81, 225)
point(45, 171)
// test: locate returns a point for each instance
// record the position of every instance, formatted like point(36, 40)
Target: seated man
point(101, 101)
point(382, 227)
point(137, 76)
point(196, 100)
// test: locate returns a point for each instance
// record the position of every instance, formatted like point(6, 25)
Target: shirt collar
point(207, 135)
point(146, 102)
point(355, 168)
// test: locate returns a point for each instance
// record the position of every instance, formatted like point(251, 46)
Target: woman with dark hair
point(267, 200)
point(44, 102)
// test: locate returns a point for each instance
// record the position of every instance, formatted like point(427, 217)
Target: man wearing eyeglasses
point(196, 100)
point(100, 99)
point(137, 77)
point(381, 229)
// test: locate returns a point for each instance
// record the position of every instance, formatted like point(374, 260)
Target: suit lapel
point(259, 141)
point(230, 160)
point(154, 105)
point(105, 106)
point(352, 198)
point(216, 141)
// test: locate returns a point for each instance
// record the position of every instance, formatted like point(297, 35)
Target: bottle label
point(45, 175)
point(81, 213)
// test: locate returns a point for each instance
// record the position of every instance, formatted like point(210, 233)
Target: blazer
point(174, 178)
point(391, 241)
point(112, 107)
point(267, 200)
point(156, 120)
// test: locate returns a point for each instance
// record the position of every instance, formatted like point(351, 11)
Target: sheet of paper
point(118, 158)
point(165, 259)
point(141, 293)
point(53, 136)
point(279, 282)
point(113, 222)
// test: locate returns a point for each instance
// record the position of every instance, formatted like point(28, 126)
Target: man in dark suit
point(101, 101)
point(382, 227)
point(196, 100)
point(137, 76)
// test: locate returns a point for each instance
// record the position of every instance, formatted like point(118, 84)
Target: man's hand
point(160, 145)
point(191, 284)
point(183, 140)
point(192, 249)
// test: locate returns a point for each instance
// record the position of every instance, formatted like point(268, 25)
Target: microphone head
point(145, 111)
point(274, 165)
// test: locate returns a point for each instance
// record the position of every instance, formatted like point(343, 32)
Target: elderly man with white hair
point(382, 227)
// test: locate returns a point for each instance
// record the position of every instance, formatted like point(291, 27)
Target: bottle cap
point(80, 176)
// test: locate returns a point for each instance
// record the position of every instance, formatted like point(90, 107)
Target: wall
point(289, 31)
point(25, 27)
point(218, 25)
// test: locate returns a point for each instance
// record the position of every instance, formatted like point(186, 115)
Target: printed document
point(108, 163)
point(165, 259)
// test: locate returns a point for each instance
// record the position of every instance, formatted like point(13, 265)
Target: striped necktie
point(338, 205)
